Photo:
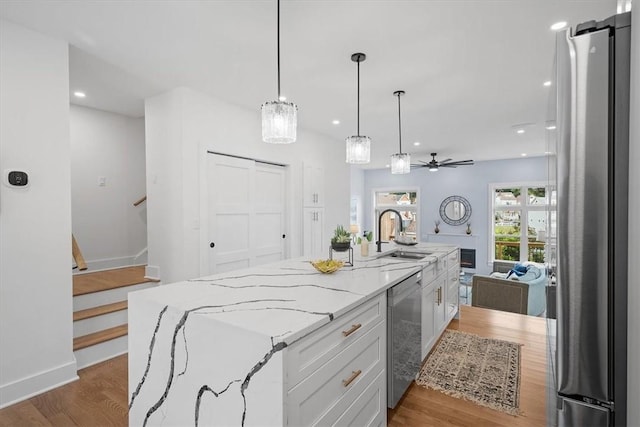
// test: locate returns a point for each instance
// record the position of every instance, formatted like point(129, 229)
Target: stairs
point(100, 312)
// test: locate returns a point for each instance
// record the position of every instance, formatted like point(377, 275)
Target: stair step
point(98, 311)
point(109, 279)
point(98, 337)
point(95, 299)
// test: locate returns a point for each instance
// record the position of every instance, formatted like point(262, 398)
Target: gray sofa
point(524, 295)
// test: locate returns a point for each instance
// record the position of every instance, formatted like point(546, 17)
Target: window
point(404, 201)
point(519, 222)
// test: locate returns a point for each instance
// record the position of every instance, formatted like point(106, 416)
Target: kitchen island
point(279, 344)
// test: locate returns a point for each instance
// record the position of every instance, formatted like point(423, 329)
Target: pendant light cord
point(278, 37)
point(358, 63)
point(399, 125)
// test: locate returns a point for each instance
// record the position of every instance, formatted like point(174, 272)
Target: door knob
point(212, 245)
point(284, 236)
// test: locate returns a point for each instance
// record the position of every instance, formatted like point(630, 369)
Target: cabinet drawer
point(314, 350)
point(338, 382)
point(429, 273)
point(369, 409)
point(441, 265)
point(454, 275)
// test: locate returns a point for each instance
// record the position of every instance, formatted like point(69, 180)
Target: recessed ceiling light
point(547, 83)
point(386, 166)
point(416, 143)
point(336, 122)
point(559, 25)
point(79, 94)
point(547, 152)
point(520, 131)
point(524, 154)
point(282, 98)
point(552, 127)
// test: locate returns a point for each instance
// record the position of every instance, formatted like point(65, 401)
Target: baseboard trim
point(107, 264)
point(25, 388)
point(152, 272)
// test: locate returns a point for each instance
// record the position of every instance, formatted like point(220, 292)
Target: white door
point(245, 213)
point(268, 227)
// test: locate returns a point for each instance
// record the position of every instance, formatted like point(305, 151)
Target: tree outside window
point(519, 222)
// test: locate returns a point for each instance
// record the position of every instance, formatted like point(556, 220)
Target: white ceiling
point(472, 70)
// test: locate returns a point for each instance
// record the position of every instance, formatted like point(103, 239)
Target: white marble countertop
point(289, 299)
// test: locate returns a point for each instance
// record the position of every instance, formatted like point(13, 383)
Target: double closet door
point(246, 213)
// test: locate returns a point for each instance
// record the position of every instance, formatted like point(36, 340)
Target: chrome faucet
point(380, 225)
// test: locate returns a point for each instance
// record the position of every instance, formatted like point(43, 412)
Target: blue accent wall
point(470, 182)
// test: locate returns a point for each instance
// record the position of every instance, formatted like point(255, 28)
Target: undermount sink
point(407, 255)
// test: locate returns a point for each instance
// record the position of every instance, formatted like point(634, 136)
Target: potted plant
point(341, 240)
point(364, 242)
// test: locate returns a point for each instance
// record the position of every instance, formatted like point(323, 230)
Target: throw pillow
point(518, 269)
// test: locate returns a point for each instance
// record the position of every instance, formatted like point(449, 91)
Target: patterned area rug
point(483, 370)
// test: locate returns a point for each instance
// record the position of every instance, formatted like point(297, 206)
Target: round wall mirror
point(455, 210)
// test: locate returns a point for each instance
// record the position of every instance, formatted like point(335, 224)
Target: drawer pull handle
point(352, 329)
point(353, 376)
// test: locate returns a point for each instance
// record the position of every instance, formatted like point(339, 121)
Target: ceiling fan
point(434, 165)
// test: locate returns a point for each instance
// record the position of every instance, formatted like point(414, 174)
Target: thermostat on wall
point(16, 178)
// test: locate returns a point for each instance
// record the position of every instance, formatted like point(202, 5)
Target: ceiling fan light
point(433, 168)
point(279, 122)
point(358, 149)
point(400, 163)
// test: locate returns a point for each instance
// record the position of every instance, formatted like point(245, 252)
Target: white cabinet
point(313, 185)
point(335, 375)
point(439, 298)
point(428, 315)
point(453, 283)
point(313, 232)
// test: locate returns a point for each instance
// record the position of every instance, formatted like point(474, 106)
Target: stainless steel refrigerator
point(592, 190)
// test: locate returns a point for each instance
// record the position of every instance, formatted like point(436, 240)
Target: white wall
point(633, 355)
point(183, 123)
point(358, 193)
point(108, 228)
point(35, 222)
point(470, 182)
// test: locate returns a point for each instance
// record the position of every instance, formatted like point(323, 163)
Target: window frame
point(524, 210)
point(413, 208)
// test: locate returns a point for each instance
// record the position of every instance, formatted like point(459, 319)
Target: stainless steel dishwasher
point(404, 333)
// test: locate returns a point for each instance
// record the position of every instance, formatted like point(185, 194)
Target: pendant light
point(279, 118)
point(358, 146)
point(400, 162)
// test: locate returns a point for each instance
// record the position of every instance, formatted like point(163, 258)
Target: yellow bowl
point(327, 265)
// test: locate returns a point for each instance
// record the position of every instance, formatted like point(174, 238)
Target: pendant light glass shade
point(279, 118)
point(358, 149)
point(279, 122)
point(358, 146)
point(401, 163)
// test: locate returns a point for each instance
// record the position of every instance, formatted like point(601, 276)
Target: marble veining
point(209, 366)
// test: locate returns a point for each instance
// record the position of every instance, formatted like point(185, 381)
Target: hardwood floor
point(99, 398)
point(108, 279)
point(424, 407)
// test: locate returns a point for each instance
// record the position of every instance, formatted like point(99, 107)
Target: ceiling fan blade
point(449, 165)
point(445, 161)
point(459, 162)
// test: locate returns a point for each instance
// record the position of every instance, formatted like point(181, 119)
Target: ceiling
point(472, 70)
